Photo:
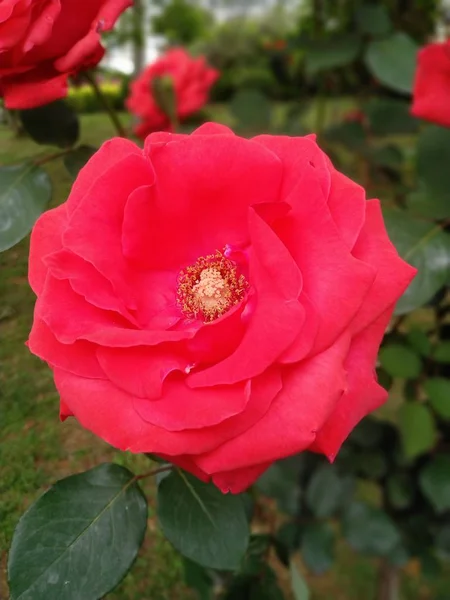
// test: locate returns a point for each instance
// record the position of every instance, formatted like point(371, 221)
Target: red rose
point(191, 79)
point(214, 300)
point(42, 42)
point(432, 84)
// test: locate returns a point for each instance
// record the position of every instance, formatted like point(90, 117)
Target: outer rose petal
point(33, 88)
point(98, 240)
point(45, 239)
point(207, 207)
point(78, 358)
point(106, 157)
point(111, 415)
point(310, 392)
point(335, 282)
point(432, 84)
point(363, 395)
point(239, 480)
point(393, 274)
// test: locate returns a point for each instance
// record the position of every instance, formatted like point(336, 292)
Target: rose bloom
point(214, 300)
point(192, 80)
point(42, 42)
point(432, 84)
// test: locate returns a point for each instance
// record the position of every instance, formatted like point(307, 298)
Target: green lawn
point(36, 449)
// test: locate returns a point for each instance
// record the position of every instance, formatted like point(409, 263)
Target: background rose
point(432, 84)
point(287, 360)
point(43, 41)
point(192, 79)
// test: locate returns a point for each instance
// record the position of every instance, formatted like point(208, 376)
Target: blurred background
point(376, 525)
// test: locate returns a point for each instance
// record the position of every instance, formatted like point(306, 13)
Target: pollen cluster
point(210, 287)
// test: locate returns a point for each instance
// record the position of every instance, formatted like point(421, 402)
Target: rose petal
point(393, 274)
point(277, 317)
point(310, 392)
point(204, 188)
point(182, 408)
point(141, 371)
point(110, 414)
point(363, 395)
point(78, 358)
point(335, 282)
point(45, 239)
point(98, 239)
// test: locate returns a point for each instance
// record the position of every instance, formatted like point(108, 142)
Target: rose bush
point(42, 42)
point(432, 84)
point(214, 300)
point(191, 80)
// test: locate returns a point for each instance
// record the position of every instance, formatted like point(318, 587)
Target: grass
point(36, 449)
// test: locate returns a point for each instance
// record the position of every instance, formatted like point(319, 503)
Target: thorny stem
point(106, 104)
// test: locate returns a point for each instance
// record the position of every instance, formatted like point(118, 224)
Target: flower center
point(210, 287)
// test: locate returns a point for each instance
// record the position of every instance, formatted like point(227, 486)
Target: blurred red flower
point(42, 42)
point(191, 79)
point(432, 84)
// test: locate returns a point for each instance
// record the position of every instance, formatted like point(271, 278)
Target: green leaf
point(256, 552)
point(433, 157)
point(80, 538)
point(390, 117)
point(373, 19)
point(205, 525)
point(332, 53)
point(317, 547)
point(417, 429)
point(198, 578)
point(369, 530)
point(372, 463)
point(262, 587)
point(324, 490)
point(75, 161)
point(442, 542)
point(25, 191)
point(53, 124)
point(368, 433)
point(426, 247)
point(287, 541)
point(434, 481)
point(419, 341)
point(392, 60)
point(351, 135)
point(252, 110)
point(299, 587)
point(399, 556)
point(400, 361)
point(441, 353)
point(438, 392)
point(400, 490)
point(282, 483)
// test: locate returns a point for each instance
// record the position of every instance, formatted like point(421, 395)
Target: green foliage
point(417, 428)
point(331, 54)
point(434, 481)
point(25, 191)
point(373, 20)
point(427, 247)
point(438, 392)
point(369, 530)
point(317, 547)
point(400, 361)
point(75, 161)
point(392, 61)
point(52, 124)
point(80, 538)
point(205, 525)
point(252, 110)
point(84, 100)
point(182, 22)
point(323, 493)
